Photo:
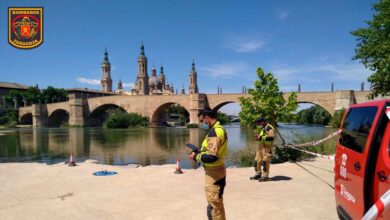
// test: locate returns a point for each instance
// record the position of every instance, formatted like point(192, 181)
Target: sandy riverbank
point(40, 191)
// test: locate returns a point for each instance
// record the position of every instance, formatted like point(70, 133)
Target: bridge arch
point(326, 108)
point(26, 119)
point(159, 116)
point(220, 105)
point(58, 117)
point(99, 115)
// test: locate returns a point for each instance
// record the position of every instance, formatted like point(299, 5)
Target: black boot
point(263, 179)
point(255, 177)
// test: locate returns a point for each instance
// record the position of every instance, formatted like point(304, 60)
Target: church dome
point(154, 81)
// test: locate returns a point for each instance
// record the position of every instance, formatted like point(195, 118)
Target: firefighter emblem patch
point(25, 27)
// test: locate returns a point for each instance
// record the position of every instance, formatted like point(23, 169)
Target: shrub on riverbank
point(120, 119)
point(246, 156)
point(283, 154)
point(9, 118)
point(313, 115)
point(336, 119)
point(223, 118)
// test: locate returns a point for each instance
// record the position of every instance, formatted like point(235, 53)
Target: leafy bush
point(184, 116)
point(9, 118)
point(313, 115)
point(34, 95)
point(121, 119)
point(223, 118)
point(282, 154)
point(11, 124)
point(336, 119)
point(246, 156)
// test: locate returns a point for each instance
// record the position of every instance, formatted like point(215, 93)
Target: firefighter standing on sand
point(212, 155)
point(265, 137)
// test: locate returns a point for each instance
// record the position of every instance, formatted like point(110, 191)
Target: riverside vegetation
point(121, 119)
point(33, 95)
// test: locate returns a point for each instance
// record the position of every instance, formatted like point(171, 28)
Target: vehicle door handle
point(357, 166)
point(382, 176)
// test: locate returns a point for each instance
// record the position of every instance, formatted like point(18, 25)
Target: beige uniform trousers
point(215, 181)
point(263, 158)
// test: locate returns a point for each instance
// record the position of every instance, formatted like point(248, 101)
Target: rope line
point(314, 175)
point(311, 143)
point(308, 144)
point(330, 171)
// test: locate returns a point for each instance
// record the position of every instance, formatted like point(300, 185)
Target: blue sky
point(306, 42)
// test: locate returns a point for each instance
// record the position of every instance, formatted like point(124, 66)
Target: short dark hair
point(259, 120)
point(207, 112)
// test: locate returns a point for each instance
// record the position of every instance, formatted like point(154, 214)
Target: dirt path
point(40, 191)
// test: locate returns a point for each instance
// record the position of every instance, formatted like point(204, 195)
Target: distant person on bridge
point(265, 135)
point(212, 154)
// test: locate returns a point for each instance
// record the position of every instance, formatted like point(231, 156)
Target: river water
point(144, 146)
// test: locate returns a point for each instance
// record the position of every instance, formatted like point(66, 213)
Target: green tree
point(121, 119)
point(266, 100)
point(9, 117)
point(313, 115)
point(337, 117)
point(373, 48)
point(33, 95)
point(184, 116)
point(223, 118)
point(14, 94)
point(51, 94)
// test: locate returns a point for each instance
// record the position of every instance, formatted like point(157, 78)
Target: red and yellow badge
point(25, 27)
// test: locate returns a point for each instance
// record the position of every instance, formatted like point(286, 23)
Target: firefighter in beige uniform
point(212, 155)
point(264, 151)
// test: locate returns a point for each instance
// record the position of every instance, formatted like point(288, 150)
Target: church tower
point(106, 80)
point(142, 83)
point(120, 86)
point(161, 77)
point(193, 89)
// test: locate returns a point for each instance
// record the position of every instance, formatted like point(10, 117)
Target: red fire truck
point(362, 161)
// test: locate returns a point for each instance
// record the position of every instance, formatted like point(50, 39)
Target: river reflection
point(144, 146)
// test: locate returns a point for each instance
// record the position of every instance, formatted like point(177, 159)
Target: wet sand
point(40, 191)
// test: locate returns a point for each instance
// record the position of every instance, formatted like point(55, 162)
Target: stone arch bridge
point(82, 111)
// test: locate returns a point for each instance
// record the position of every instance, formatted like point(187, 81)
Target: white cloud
point(226, 70)
point(128, 85)
point(353, 72)
point(317, 76)
point(243, 43)
point(282, 14)
point(249, 46)
point(341, 72)
point(88, 81)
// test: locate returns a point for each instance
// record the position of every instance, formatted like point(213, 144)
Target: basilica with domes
point(145, 85)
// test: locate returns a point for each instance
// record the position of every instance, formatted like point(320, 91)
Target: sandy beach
point(41, 191)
